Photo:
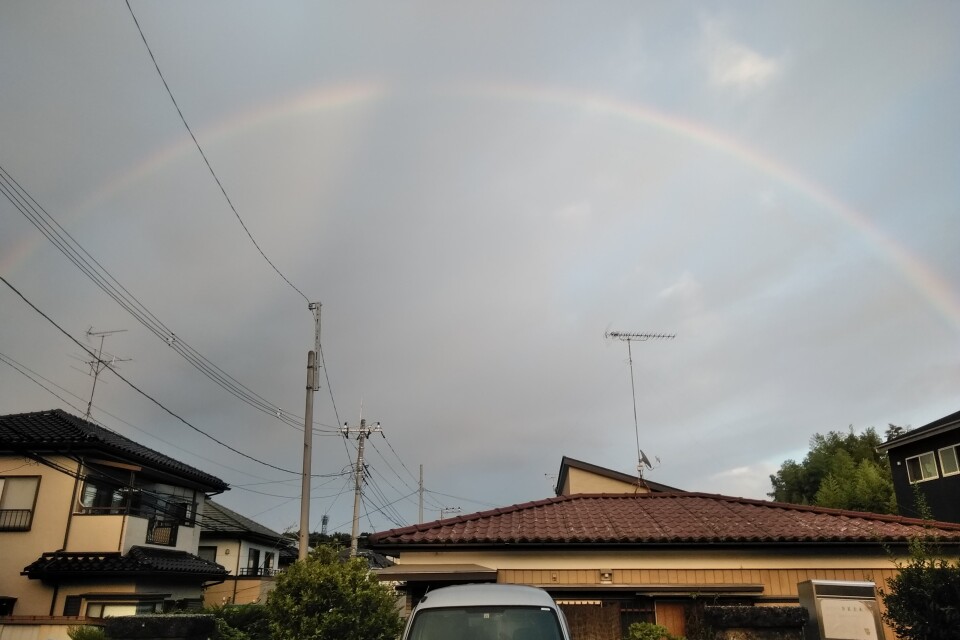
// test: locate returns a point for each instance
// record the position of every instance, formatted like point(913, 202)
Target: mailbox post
point(841, 610)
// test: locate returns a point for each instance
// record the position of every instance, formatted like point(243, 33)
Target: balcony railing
point(162, 532)
point(16, 519)
point(254, 572)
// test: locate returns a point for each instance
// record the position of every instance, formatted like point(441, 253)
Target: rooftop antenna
point(99, 364)
point(446, 512)
point(642, 461)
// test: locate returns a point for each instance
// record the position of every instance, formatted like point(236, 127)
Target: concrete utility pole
point(363, 432)
point(312, 385)
point(307, 459)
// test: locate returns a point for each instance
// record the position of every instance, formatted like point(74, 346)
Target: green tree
point(321, 598)
point(841, 470)
point(923, 600)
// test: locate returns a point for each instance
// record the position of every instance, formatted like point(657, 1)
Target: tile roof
point(661, 518)
point(57, 430)
point(138, 561)
point(219, 521)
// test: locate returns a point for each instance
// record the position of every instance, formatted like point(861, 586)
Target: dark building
point(925, 462)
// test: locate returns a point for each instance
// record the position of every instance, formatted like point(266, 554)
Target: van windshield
point(486, 623)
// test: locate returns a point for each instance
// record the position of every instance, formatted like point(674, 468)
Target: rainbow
point(930, 284)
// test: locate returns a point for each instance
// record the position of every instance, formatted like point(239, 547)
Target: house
point(94, 524)
point(251, 553)
point(925, 461)
point(577, 476)
point(612, 559)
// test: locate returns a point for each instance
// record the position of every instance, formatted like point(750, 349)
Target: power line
point(141, 391)
point(204, 156)
point(399, 477)
point(98, 274)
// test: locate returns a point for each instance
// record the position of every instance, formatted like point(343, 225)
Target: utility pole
point(363, 432)
point(642, 460)
point(312, 386)
point(99, 364)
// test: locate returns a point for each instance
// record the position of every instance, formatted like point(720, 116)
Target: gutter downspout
point(71, 506)
point(236, 573)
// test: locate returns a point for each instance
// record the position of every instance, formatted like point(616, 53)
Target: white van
point(487, 612)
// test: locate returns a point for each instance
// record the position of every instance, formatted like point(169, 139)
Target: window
point(6, 605)
point(253, 563)
point(207, 553)
point(949, 460)
point(98, 497)
point(71, 605)
point(18, 496)
point(107, 609)
point(922, 467)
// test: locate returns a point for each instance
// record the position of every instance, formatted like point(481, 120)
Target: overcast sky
point(476, 193)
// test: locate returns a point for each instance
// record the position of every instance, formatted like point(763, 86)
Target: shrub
point(649, 631)
point(86, 632)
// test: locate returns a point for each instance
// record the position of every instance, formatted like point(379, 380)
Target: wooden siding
point(672, 615)
point(777, 583)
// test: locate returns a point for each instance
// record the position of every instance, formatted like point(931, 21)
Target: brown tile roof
point(138, 561)
point(661, 518)
point(56, 431)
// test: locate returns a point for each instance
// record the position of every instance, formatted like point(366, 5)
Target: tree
point(841, 470)
point(923, 600)
point(321, 598)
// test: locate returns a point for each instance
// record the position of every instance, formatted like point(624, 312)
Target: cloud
point(752, 481)
point(731, 64)
point(686, 288)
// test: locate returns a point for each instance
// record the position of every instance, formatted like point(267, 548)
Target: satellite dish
point(644, 460)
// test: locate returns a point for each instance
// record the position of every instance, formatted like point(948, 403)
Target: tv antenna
point(642, 461)
point(98, 364)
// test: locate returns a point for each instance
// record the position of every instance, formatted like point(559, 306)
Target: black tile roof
point(57, 431)
point(942, 425)
point(219, 522)
point(139, 561)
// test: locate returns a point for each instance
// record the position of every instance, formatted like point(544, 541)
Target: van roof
point(469, 595)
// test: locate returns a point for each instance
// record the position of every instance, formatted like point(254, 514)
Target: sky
point(477, 193)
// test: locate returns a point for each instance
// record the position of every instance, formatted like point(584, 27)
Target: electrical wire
point(204, 156)
point(435, 503)
point(31, 375)
point(98, 274)
point(141, 391)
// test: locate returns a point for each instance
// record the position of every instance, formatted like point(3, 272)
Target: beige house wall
point(54, 526)
point(94, 533)
point(239, 591)
point(20, 548)
point(580, 481)
point(575, 560)
point(87, 587)
point(232, 555)
point(228, 554)
point(32, 631)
